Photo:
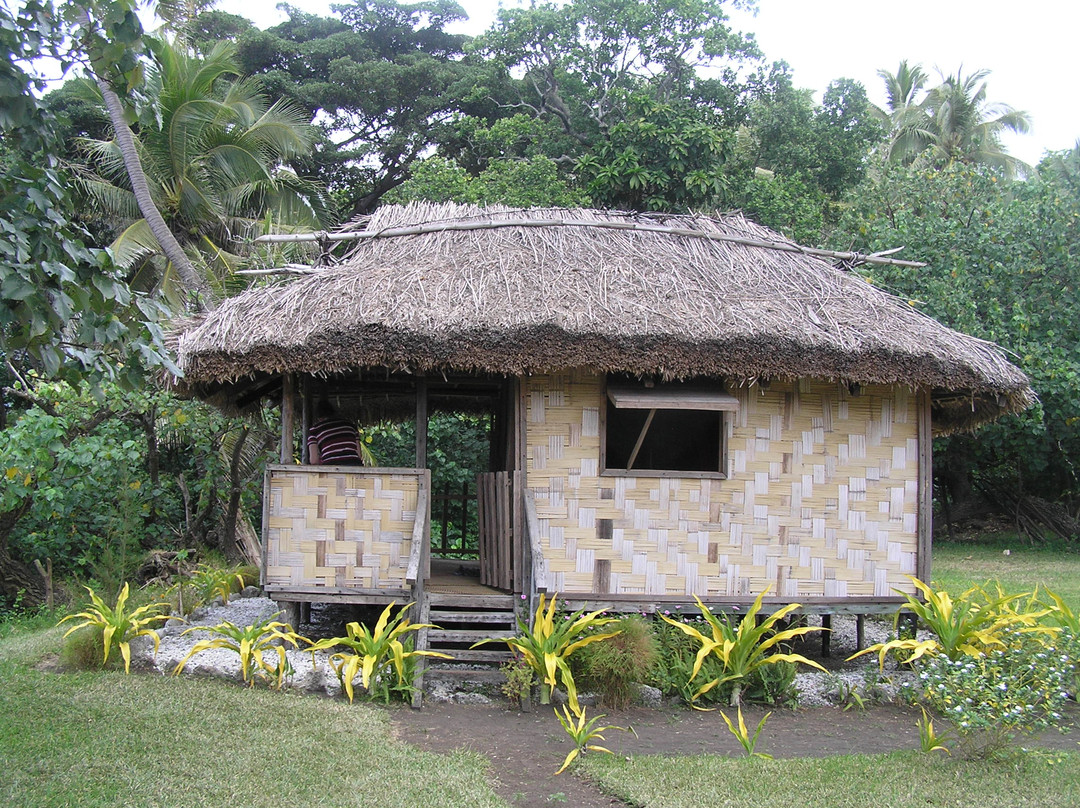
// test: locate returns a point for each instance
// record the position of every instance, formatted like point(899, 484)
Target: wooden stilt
point(826, 635)
point(860, 631)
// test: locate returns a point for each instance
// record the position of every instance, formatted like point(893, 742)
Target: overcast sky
point(1030, 47)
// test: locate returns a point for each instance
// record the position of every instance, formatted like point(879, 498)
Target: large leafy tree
point(1002, 265)
point(616, 87)
point(212, 150)
point(798, 158)
point(65, 310)
point(381, 78)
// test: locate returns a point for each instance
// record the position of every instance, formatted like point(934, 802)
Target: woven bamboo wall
point(338, 528)
point(820, 501)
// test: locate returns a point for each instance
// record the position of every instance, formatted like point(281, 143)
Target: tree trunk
point(15, 576)
point(175, 254)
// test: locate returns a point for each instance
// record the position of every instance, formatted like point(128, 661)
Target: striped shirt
point(337, 442)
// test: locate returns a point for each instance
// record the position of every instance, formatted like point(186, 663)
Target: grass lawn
point(898, 780)
point(105, 739)
point(957, 566)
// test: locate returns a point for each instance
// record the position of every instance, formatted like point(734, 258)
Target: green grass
point(897, 780)
point(958, 566)
point(97, 739)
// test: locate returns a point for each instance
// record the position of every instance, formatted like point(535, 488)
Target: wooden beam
point(288, 414)
point(641, 227)
point(662, 398)
point(640, 440)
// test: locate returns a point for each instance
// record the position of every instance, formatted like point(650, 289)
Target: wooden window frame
point(660, 397)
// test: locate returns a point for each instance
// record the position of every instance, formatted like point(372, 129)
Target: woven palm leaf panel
point(339, 528)
point(820, 499)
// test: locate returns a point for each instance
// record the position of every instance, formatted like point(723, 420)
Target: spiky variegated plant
point(744, 649)
point(548, 642)
point(210, 582)
point(583, 732)
point(967, 626)
point(374, 653)
point(250, 642)
point(743, 736)
point(118, 626)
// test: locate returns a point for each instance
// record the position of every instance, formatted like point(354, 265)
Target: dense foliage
point(94, 491)
point(1001, 265)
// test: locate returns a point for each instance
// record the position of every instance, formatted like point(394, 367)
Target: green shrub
point(990, 698)
point(85, 651)
point(613, 667)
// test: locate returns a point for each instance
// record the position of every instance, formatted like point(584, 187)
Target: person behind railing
point(331, 440)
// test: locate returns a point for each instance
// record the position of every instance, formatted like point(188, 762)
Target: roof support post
point(306, 411)
point(421, 422)
point(288, 413)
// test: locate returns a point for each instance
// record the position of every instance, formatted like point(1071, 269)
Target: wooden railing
point(419, 549)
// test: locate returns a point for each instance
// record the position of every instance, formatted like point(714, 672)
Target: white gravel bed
point(175, 644)
point(312, 673)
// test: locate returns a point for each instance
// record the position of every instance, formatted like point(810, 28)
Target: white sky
point(1030, 48)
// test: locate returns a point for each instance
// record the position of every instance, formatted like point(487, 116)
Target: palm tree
point(906, 118)
point(951, 123)
point(967, 129)
point(214, 161)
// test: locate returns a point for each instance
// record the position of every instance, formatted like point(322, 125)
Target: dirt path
point(525, 749)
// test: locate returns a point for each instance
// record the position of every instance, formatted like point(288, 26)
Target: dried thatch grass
point(517, 300)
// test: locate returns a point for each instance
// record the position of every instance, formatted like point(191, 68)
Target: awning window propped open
point(671, 398)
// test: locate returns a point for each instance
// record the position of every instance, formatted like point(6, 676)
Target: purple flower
point(666, 611)
point(524, 597)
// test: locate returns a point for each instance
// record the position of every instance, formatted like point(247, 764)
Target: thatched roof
point(520, 300)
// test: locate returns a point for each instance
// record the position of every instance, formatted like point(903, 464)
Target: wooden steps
point(462, 621)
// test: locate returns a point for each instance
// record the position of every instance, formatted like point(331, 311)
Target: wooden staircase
point(463, 619)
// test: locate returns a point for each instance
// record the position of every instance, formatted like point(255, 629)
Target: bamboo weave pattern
point(820, 500)
point(339, 528)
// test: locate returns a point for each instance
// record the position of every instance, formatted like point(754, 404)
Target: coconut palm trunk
point(191, 279)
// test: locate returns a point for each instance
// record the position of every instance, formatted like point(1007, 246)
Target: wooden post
point(464, 512)
point(826, 635)
point(306, 417)
point(443, 548)
point(860, 631)
point(421, 422)
point(46, 573)
point(288, 408)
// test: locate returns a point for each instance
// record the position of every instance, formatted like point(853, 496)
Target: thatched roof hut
point(513, 292)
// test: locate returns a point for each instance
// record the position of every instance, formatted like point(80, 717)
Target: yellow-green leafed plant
point(550, 640)
point(1060, 613)
point(748, 741)
point(119, 626)
point(583, 732)
point(374, 653)
point(250, 643)
point(967, 626)
point(211, 582)
point(929, 740)
point(744, 649)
